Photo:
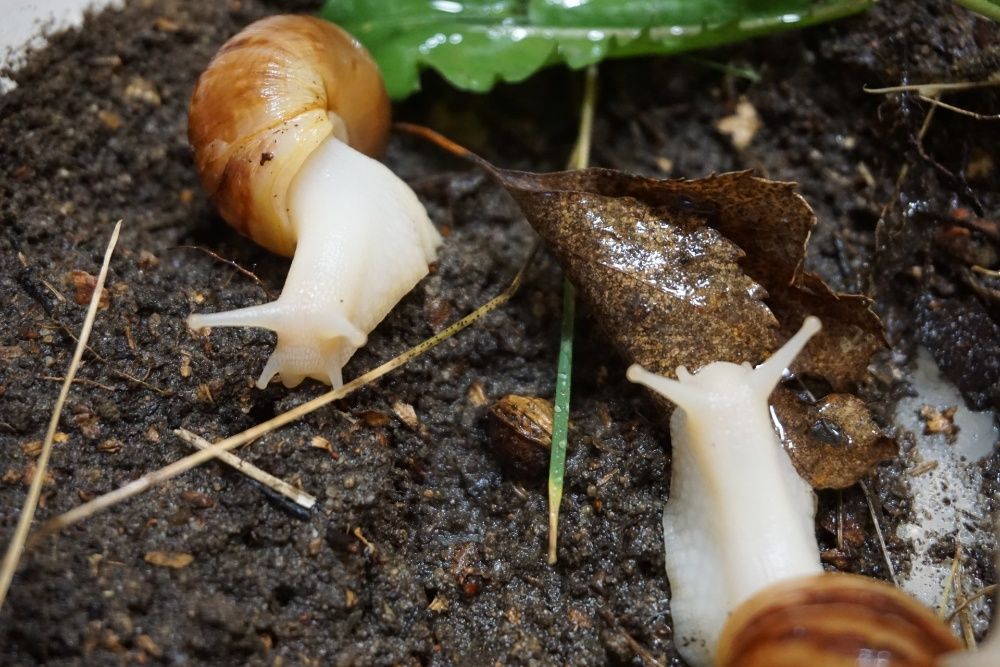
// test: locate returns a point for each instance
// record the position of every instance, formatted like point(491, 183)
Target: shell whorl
point(833, 620)
point(271, 95)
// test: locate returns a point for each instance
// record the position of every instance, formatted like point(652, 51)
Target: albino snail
point(282, 122)
point(739, 530)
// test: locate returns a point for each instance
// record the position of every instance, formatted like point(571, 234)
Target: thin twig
point(176, 468)
point(903, 172)
point(878, 532)
point(964, 619)
point(113, 371)
point(949, 582)
point(247, 272)
point(964, 112)
point(647, 658)
point(932, 88)
point(17, 544)
point(297, 496)
point(985, 590)
point(92, 383)
point(132, 378)
point(983, 271)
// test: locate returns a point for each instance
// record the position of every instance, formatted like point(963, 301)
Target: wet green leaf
point(475, 43)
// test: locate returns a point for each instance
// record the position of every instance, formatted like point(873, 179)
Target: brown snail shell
point(270, 96)
point(833, 620)
point(520, 429)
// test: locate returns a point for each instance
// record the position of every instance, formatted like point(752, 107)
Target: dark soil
point(455, 573)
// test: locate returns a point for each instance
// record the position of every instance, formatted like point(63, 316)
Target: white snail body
point(282, 122)
point(739, 517)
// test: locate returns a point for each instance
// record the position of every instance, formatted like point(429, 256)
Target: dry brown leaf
point(687, 272)
point(657, 277)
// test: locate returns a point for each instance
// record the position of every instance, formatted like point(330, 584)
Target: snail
point(741, 552)
point(739, 517)
point(284, 123)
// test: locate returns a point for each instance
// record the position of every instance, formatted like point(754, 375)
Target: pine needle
point(17, 544)
point(304, 500)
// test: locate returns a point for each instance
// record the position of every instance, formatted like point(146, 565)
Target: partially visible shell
point(264, 104)
point(833, 620)
point(520, 429)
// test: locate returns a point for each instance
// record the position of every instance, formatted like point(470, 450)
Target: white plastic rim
point(26, 23)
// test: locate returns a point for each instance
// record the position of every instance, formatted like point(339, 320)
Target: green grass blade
point(987, 8)
point(564, 373)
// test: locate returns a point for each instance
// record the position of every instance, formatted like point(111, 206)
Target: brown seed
point(940, 420)
point(146, 643)
point(520, 429)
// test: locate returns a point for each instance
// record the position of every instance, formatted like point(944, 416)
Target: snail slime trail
point(306, 95)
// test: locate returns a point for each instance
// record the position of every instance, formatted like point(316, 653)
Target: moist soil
point(427, 544)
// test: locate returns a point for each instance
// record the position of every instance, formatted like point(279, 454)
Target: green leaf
point(475, 43)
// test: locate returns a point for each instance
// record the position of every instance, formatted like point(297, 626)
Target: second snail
point(284, 124)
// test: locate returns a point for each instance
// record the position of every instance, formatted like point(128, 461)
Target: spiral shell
point(833, 620)
point(270, 96)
